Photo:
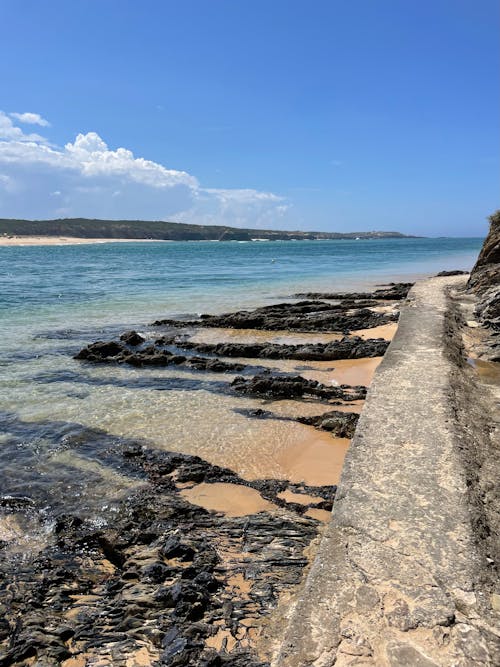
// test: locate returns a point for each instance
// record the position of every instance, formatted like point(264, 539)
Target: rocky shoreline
point(169, 581)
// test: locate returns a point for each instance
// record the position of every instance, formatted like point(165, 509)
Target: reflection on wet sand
point(316, 460)
point(304, 408)
point(385, 331)
point(342, 371)
point(230, 499)
point(214, 336)
point(320, 515)
point(300, 498)
point(488, 371)
point(354, 371)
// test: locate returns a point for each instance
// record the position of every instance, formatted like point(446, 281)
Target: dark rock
point(484, 279)
point(175, 548)
point(156, 572)
point(114, 352)
point(347, 348)
point(67, 522)
point(65, 593)
point(444, 274)
point(132, 338)
point(341, 424)
point(100, 350)
point(391, 292)
point(307, 316)
point(486, 272)
point(272, 386)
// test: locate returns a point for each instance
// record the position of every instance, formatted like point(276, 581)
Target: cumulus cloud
point(86, 178)
point(8, 131)
point(30, 118)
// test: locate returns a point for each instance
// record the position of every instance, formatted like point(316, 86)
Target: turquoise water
point(59, 417)
point(104, 283)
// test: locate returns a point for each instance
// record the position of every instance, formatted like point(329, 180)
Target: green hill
point(167, 231)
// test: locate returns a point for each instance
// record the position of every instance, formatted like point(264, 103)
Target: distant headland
point(159, 230)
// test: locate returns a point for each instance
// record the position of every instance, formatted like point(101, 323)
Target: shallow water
point(60, 419)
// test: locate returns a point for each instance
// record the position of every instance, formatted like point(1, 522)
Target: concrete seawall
point(403, 576)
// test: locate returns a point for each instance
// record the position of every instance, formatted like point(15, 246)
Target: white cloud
point(243, 196)
point(94, 158)
point(86, 178)
point(9, 131)
point(30, 118)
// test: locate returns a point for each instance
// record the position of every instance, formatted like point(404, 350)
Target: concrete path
point(401, 578)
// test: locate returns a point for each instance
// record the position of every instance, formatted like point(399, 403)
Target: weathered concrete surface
point(402, 577)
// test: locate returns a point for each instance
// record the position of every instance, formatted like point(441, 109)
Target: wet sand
point(488, 371)
point(386, 331)
point(223, 335)
point(341, 371)
point(300, 498)
point(230, 499)
point(317, 460)
point(267, 502)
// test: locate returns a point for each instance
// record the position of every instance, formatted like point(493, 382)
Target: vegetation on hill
point(160, 230)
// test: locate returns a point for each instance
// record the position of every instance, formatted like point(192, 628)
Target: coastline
point(258, 365)
point(20, 241)
point(192, 463)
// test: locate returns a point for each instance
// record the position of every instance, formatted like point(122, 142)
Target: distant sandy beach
point(63, 240)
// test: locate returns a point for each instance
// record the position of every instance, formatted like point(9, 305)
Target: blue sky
point(328, 114)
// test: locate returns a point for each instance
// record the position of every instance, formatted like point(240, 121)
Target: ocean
point(59, 417)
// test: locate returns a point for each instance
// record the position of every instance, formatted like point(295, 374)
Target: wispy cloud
point(30, 118)
point(87, 178)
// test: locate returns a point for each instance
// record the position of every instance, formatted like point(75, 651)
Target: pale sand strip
point(66, 240)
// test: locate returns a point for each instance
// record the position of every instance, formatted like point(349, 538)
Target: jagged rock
point(132, 338)
point(341, 424)
point(486, 272)
point(445, 274)
point(273, 386)
point(114, 352)
point(157, 578)
point(306, 316)
point(485, 277)
point(391, 292)
point(101, 350)
point(347, 348)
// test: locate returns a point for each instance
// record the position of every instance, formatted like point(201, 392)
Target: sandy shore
point(63, 240)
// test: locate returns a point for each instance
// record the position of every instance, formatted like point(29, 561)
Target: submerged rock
point(390, 292)
point(276, 386)
point(305, 316)
point(347, 348)
point(114, 352)
point(132, 338)
point(340, 424)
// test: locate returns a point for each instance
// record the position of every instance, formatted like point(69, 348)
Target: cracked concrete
point(403, 576)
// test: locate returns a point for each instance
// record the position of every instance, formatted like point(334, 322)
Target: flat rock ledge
point(403, 576)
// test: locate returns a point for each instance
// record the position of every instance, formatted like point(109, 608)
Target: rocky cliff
point(485, 277)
